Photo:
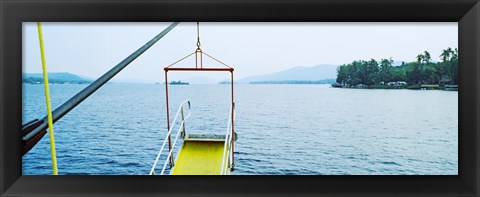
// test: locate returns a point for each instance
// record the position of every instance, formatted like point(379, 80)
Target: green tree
point(454, 67)
point(372, 72)
point(358, 72)
point(420, 58)
point(385, 73)
point(446, 54)
point(448, 68)
point(421, 71)
point(342, 74)
point(398, 74)
point(413, 72)
point(427, 58)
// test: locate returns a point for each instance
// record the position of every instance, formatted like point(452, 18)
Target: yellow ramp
point(199, 158)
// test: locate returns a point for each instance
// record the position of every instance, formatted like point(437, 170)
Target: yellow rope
point(47, 99)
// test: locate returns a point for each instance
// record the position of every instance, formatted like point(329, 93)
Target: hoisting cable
point(198, 35)
point(47, 100)
point(180, 60)
point(198, 54)
point(216, 59)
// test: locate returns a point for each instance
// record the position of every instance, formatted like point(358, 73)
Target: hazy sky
point(91, 49)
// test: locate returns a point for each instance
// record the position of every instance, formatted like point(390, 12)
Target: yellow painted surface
point(47, 100)
point(199, 158)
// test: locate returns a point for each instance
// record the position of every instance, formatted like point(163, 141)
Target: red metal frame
point(198, 69)
point(198, 52)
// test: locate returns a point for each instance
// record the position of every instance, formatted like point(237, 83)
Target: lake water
point(282, 129)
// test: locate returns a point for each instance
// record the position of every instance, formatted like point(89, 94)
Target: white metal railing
point(181, 128)
point(227, 153)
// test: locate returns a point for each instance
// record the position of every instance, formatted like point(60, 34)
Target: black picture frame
point(14, 12)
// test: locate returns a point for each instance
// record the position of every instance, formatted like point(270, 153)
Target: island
point(421, 74)
point(226, 82)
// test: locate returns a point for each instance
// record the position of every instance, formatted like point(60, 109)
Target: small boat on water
point(178, 83)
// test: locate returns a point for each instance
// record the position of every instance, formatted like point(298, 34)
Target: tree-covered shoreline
point(324, 81)
point(373, 74)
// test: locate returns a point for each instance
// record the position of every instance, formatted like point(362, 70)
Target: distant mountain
point(54, 78)
point(299, 73)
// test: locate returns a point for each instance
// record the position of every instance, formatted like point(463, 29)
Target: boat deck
point(199, 157)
